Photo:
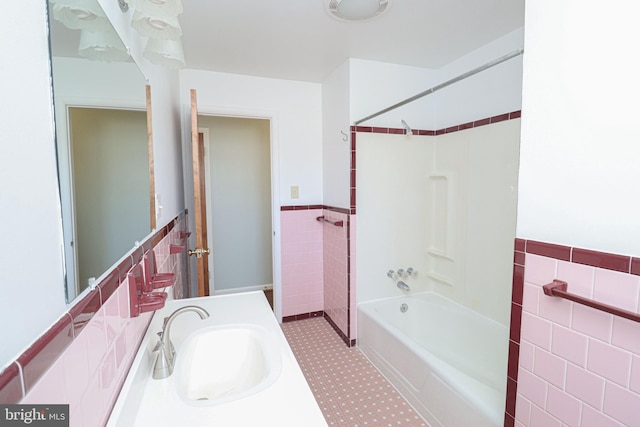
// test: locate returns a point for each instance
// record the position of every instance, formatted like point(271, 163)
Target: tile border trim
point(313, 207)
point(420, 132)
point(609, 261)
point(456, 128)
point(303, 316)
point(46, 348)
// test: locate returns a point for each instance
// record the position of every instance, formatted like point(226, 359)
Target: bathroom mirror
point(102, 141)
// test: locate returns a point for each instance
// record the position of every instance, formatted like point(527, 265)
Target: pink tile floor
point(348, 388)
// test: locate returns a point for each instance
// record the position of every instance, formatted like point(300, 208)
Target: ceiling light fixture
point(356, 10)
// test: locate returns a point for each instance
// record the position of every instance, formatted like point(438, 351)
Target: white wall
point(376, 85)
point(336, 138)
point(296, 112)
point(495, 91)
point(579, 155)
point(31, 277)
point(167, 143)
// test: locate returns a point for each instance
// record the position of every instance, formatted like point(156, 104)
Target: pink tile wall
point(83, 359)
point(90, 372)
point(302, 262)
point(578, 366)
point(317, 257)
point(352, 278)
point(336, 291)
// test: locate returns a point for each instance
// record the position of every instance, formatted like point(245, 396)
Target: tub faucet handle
point(392, 274)
point(402, 273)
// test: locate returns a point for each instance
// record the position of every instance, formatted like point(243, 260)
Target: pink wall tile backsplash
point(577, 366)
point(316, 262)
point(336, 298)
point(569, 345)
point(302, 261)
point(94, 344)
point(617, 289)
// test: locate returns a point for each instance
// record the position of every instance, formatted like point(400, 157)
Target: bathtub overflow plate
point(403, 308)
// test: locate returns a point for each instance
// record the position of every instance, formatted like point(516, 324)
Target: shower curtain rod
point(445, 84)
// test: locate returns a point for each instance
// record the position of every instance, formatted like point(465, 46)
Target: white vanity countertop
point(145, 402)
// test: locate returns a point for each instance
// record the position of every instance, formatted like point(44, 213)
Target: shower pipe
point(558, 288)
point(336, 223)
point(445, 84)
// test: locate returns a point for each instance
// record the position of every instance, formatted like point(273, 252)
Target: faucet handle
point(392, 274)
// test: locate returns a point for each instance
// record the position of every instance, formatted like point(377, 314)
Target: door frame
point(204, 110)
point(67, 181)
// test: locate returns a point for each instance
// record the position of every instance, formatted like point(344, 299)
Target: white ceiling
point(298, 40)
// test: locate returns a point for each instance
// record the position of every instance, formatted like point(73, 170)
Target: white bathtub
point(449, 362)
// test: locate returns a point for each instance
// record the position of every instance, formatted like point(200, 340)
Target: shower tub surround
point(460, 200)
point(448, 361)
point(84, 358)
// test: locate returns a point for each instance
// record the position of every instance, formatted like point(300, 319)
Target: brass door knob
point(199, 252)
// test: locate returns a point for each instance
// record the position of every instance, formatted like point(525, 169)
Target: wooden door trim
point(152, 180)
point(199, 203)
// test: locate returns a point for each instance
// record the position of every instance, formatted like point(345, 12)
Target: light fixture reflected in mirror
point(167, 53)
point(158, 20)
point(103, 46)
point(97, 41)
point(158, 27)
point(80, 14)
point(161, 8)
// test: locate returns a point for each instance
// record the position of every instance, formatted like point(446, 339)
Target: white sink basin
point(221, 364)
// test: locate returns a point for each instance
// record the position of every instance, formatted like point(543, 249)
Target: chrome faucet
point(166, 353)
point(403, 286)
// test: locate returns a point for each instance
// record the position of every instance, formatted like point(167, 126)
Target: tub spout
point(403, 286)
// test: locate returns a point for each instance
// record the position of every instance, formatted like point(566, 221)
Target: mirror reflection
point(101, 132)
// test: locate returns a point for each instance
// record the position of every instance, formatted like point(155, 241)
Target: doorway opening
point(238, 171)
point(105, 164)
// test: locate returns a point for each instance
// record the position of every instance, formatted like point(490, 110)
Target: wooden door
point(199, 201)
